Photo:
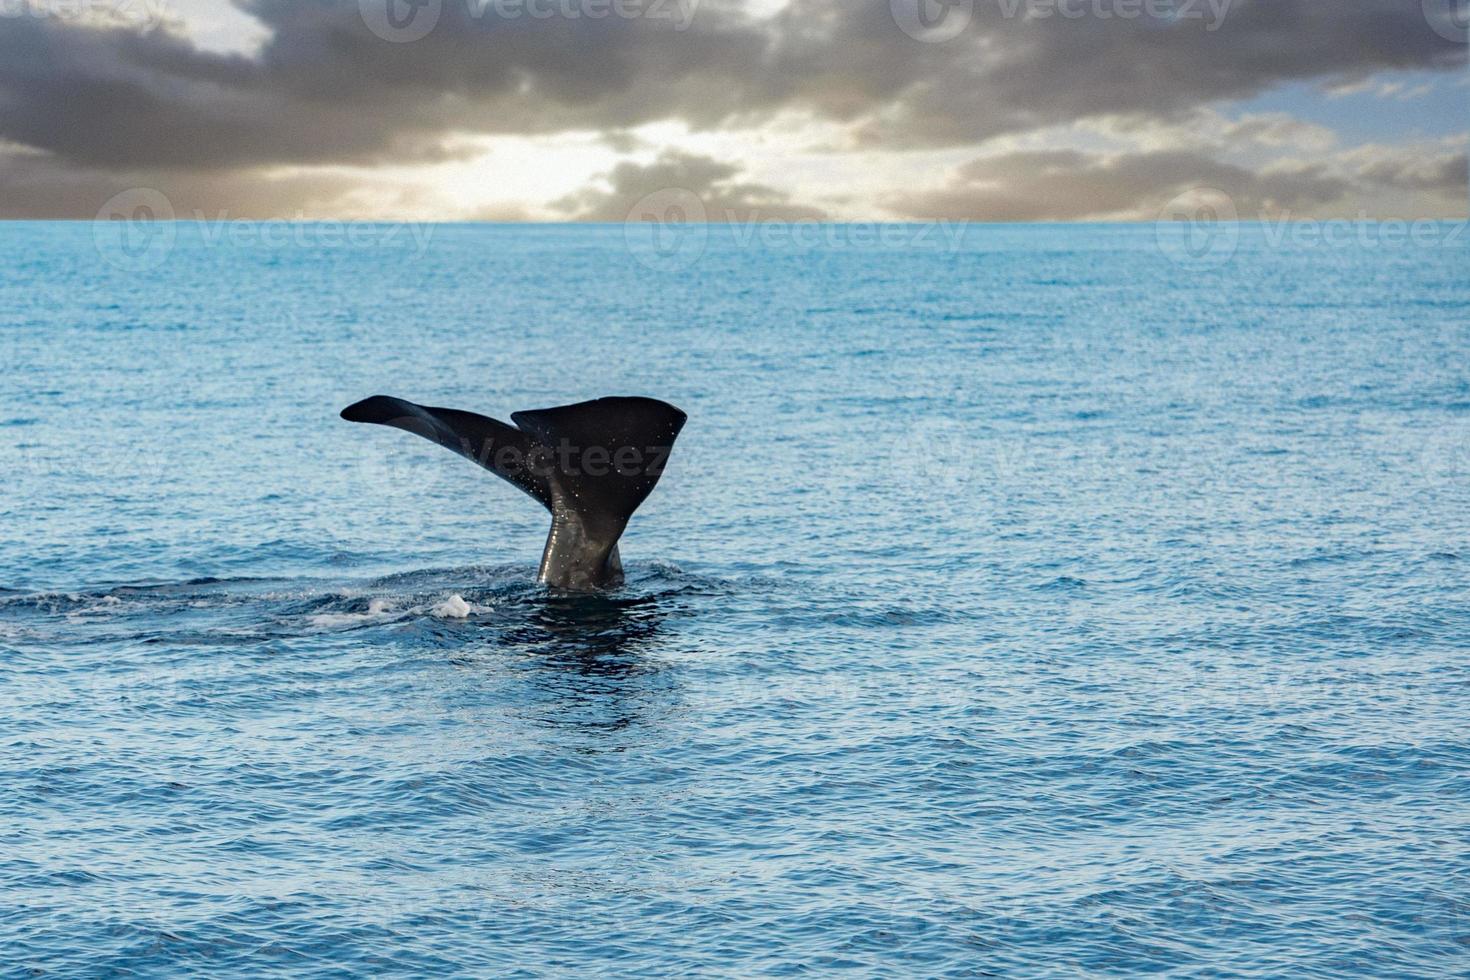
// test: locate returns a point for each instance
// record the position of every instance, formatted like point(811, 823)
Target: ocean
point(1063, 600)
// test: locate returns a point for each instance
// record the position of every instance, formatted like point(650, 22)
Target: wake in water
point(234, 611)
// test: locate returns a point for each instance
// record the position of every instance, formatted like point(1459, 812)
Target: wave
point(235, 611)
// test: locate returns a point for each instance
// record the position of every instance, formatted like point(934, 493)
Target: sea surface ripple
point(1047, 601)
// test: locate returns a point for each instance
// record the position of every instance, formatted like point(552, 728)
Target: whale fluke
point(591, 465)
point(502, 449)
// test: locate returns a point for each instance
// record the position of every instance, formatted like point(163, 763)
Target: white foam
point(377, 609)
point(453, 608)
point(104, 604)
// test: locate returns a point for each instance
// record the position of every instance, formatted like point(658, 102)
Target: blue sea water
point(1026, 601)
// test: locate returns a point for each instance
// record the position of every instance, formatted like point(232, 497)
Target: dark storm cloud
point(324, 88)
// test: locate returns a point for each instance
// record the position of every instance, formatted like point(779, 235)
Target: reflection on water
point(594, 662)
point(588, 662)
point(597, 634)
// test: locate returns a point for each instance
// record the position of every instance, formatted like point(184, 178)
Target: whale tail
point(591, 465)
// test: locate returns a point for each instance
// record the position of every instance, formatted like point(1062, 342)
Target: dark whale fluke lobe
point(591, 465)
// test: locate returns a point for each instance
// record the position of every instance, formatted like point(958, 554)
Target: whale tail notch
point(592, 465)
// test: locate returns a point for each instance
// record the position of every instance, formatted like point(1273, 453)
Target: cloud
point(616, 196)
point(1011, 74)
point(109, 107)
point(1443, 171)
point(324, 88)
point(35, 187)
point(1398, 91)
point(1277, 130)
point(1067, 185)
point(1428, 179)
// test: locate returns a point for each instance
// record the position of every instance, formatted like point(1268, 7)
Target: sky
point(845, 110)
